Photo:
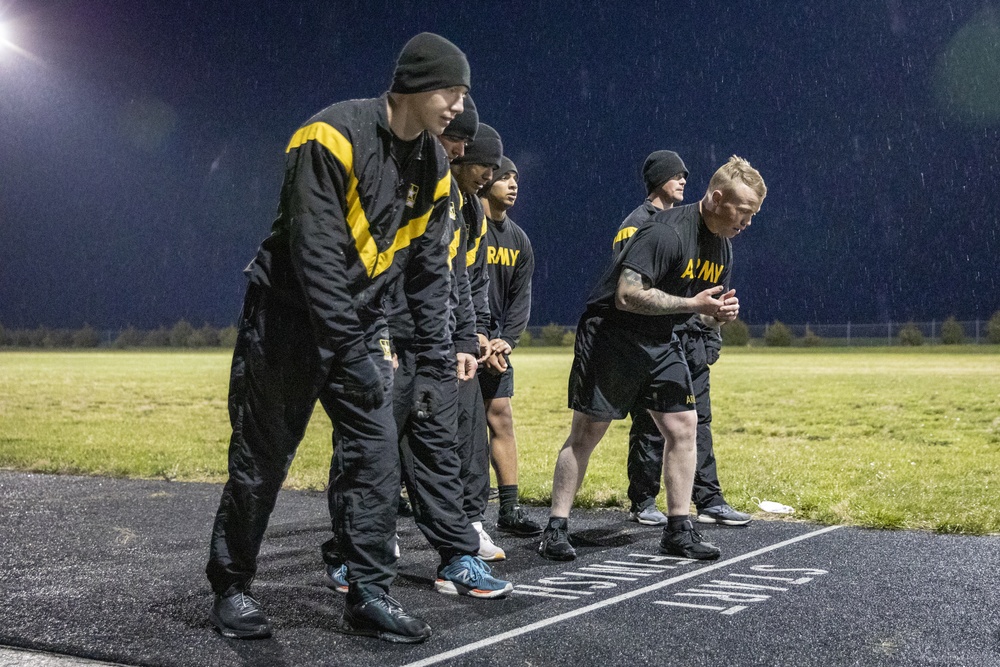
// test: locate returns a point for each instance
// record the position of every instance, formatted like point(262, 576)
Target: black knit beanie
point(465, 124)
point(659, 167)
point(506, 165)
point(429, 62)
point(486, 148)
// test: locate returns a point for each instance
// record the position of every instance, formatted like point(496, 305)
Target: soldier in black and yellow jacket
point(511, 263)
point(365, 197)
point(472, 170)
point(435, 456)
point(665, 176)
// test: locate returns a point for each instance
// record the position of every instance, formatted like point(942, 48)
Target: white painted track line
point(510, 634)
point(15, 657)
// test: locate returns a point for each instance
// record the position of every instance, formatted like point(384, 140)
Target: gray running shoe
point(648, 516)
point(725, 515)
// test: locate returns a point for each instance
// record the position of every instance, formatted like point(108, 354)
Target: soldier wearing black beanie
point(430, 62)
point(313, 329)
point(660, 167)
point(465, 124)
point(511, 262)
point(486, 148)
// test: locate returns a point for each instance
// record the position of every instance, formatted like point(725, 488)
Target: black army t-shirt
point(678, 254)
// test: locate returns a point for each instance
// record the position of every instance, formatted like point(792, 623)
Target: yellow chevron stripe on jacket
point(624, 234)
point(470, 256)
point(457, 237)
point(375, 262)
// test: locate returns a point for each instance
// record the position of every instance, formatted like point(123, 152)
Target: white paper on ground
point(773, 507)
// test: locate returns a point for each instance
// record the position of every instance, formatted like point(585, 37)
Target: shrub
point(227, 337)
point(810, 339)
point(130, 337)
point(180, 334)
point(993, 329)
point(56, 338)
point(22, 338)
point(778, 335)
point(36, 337)
point(552, 335)
point(157, 338)
point(952, 332)
point(5, 339)
point(911, 335)
point(526, 339)
point(568, 339)
point(735, 333)
point(207, 336)
point(86, 337)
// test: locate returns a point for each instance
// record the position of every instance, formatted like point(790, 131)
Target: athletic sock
point(508, 498)
point(676, 522)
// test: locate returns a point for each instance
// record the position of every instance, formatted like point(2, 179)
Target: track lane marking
point(538, 625)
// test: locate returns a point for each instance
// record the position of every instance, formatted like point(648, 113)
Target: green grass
point(888, 438)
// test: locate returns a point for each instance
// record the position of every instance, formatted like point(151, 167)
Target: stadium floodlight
point(5, 35)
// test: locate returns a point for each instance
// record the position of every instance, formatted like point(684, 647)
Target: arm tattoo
point(635, 294)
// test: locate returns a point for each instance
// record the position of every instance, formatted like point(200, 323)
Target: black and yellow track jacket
point(479, 276)
point(461, 316)
point(626, 230)
point(511, 263)
point(358, 207)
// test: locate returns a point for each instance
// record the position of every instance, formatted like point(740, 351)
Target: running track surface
point(112, 570)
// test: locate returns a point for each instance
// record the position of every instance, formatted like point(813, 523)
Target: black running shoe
point(516, 522)
point(238, 616)
point(384, 618)
point(555, 543)
point(686, 542)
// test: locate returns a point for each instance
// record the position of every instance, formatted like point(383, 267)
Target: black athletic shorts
point(615, 369)
point(494, 385)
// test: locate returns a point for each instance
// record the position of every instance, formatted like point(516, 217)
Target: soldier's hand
point(484, 347)
point(360, 381)
point(712, 302)
point(426, 398)
point(466, 366)
point(496, 364)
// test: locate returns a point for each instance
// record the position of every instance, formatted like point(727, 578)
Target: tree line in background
point(737, 334)
point(182, 334)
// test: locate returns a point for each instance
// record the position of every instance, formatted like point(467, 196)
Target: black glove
point(361, 380)
point(426, 398)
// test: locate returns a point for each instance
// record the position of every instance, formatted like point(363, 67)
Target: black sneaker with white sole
point(555, 542)
point(239, 616)
point(686, 542)
point(384, 618)
point(516, 522)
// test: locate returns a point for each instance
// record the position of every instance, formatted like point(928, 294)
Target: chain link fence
point(934, 332)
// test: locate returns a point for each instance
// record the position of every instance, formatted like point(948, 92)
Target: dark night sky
point(141, 143)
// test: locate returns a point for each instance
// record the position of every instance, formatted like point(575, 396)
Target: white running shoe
point(488, 551)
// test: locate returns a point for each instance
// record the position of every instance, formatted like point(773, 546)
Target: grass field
point(890, 438)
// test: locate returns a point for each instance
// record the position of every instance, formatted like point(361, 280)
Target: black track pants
point(432, 466)
point(275, 381)
point(473, 449)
